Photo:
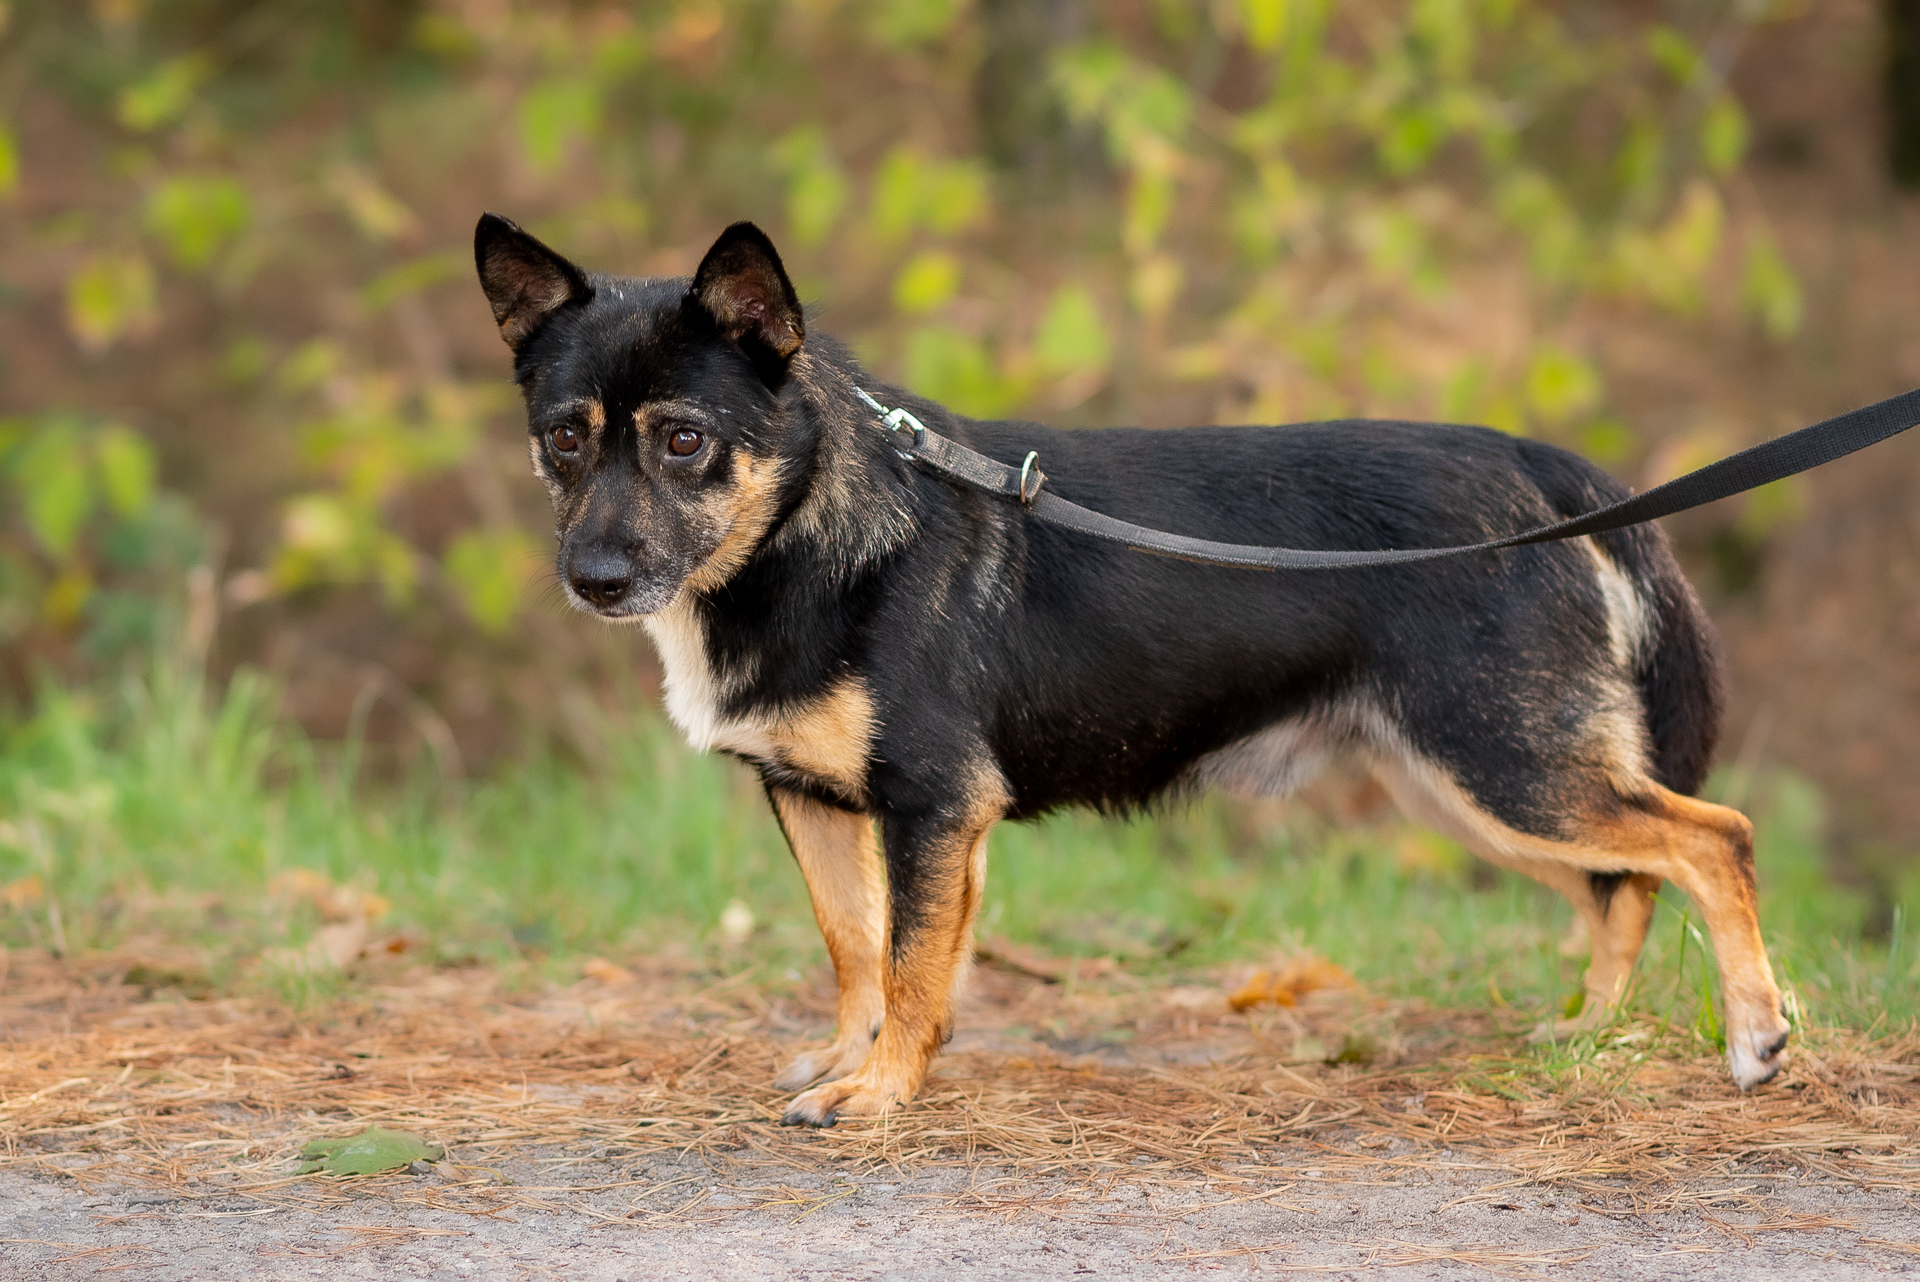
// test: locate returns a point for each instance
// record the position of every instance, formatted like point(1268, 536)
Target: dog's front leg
point(840, 858)
point(936, 872)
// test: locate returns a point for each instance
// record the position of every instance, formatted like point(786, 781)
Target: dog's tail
point(1677, 664)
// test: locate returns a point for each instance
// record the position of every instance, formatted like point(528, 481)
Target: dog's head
point(651, 406)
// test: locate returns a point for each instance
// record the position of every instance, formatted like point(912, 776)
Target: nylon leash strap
point(1749, 469)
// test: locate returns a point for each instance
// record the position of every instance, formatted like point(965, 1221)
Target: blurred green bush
point(1261, 210)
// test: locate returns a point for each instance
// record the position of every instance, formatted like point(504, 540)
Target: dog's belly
point(1281, 758)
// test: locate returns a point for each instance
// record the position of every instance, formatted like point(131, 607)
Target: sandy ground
point(1439, 1223)
point(147, 1137)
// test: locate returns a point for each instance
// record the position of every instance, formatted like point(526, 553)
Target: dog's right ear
point(526, 283)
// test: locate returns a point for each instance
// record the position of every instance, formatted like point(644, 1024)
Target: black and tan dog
point(906, 663)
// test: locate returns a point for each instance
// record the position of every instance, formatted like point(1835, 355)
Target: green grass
point(152, 810)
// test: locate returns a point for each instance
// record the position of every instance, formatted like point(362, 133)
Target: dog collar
point(918, 444)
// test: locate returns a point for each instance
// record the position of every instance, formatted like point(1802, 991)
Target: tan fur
point(922, 979)
point(839, 855)
point(1706, 850)
point(827, 738)
point(839, 514)
point(537, 298)
point(749, 511)
point(740, 309)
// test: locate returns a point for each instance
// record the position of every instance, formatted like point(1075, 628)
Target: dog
point(907, 662)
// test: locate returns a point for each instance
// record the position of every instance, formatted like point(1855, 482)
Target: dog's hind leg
point(1614, 910)
point(1636, 827)
point(840, 858)
point(935, 876)
point(1707, 851)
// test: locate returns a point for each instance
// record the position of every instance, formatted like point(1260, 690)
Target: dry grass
point(214, 1097)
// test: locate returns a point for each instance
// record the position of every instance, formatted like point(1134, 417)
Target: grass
point(154, 813)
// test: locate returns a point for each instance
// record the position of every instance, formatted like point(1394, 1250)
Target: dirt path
point(1436, 1223)
point(623, 1128)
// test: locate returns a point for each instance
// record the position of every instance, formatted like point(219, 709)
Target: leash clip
point(1039, 478)
point(900, 423)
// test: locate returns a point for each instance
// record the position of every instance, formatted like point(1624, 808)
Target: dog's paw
point(828, 1064)
point(854, 1096)
point(1594, 1014)
point(805, 1069)
point(1756, 1054)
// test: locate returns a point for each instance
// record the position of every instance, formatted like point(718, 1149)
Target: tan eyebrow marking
point(587, 407)
point(685, 409)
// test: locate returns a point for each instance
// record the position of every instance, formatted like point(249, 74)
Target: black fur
point(1073, 672)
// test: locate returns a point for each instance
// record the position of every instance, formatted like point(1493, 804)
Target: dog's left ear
point(742, 285)
point(525, 282)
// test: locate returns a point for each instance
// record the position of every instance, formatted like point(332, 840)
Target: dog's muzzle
point(602, 579)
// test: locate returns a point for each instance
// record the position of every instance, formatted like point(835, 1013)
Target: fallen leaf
point(605, 971)
point(334, 902)
point(336, 947)
point(1193, 998)
point(1286, 984)
point(343, 943)
point(373, 1150)
point(192, 981)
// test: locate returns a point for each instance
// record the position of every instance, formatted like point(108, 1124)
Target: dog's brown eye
point(684, 442)
point(564, 439)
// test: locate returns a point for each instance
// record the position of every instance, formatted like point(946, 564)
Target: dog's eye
point(684, 442)
point(564, 439)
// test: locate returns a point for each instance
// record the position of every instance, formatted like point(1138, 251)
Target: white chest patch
point(826, 738)
point(692, 689)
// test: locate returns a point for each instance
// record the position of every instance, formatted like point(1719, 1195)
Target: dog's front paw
point(855, 1096)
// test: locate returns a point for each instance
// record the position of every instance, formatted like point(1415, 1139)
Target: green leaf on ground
point(373, 1150)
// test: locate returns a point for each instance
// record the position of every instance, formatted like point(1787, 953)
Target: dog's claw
point(794, 1117)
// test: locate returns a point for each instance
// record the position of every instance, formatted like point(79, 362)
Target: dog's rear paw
point(1755, 1056)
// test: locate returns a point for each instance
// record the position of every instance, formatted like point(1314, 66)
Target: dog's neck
point(848, 499)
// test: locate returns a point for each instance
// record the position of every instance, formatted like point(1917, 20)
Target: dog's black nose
point(601, 580)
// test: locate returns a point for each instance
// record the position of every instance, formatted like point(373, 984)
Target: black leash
point(1751, 468)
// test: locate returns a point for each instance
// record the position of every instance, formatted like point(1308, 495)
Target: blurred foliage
point(86, 544)
point(1267, 210)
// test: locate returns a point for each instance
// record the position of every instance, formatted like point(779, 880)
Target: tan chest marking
point(827, 737)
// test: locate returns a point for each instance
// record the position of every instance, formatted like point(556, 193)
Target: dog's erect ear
point(526, 282)
point(744, 288)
